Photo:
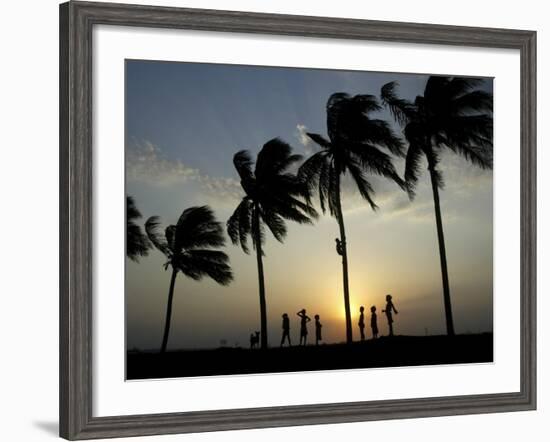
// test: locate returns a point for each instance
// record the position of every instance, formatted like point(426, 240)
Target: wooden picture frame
point(76, 22)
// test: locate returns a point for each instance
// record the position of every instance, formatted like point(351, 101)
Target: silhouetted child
point(286, 330)
point(373, 322)
point(254, 339)
point(304, 319)
point(362, 322)
point(318, 327)
point(388, 311)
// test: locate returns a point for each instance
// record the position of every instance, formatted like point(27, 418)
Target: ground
point(394, 351)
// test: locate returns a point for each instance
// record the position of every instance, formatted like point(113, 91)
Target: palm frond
point(333, 190)
point(363, 185)
point(458, 86)
point(379, 132)
point(257, 228)
point(413, 163)
point(288, 210)
point(273, 195)
point(475, 154)
point(275, 157)
point(198, 263)
point(310, 170)
point(324, 184)
point(375, 161)
point(170, 235)
point(319, 139)
point(242, 161)
point(132, 212)
point(239, 224)
point(305, 207)
point(434, 90)
point(348, 117)
point(433, 161)
point(477, 101)
point(197, 227)
point(402, 110)
point(152, 228)
point(275, 223)
point(137, 244)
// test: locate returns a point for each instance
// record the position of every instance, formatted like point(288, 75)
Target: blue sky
point(185, 121)
point(235, 107)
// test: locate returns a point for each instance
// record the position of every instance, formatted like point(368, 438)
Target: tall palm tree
point(455, 114)
point(137, 244)
point(354, 145)
point(272, 195)
point(189, 247)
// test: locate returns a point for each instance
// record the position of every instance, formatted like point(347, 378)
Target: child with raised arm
point(389, 308)
point(304, 319)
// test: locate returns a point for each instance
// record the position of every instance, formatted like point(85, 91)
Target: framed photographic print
point(271, 220)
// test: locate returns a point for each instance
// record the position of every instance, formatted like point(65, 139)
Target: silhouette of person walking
point(373, 322)
point(304, 319)
point(286, 330)
point(318, 327)
point(362, 322)
point(388, 311)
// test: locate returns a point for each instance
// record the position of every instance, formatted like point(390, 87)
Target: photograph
point(294, 219)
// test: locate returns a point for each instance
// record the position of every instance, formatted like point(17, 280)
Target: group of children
point(304, 319)
point(389, 310)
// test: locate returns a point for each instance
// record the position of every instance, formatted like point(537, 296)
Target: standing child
point(389, 308)
point(318, 327)
point(362, 322)
point(286, 330)
point(373, 322)
point(304, 319)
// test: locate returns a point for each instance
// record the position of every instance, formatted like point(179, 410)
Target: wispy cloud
point(146, 163)
point(304, 140)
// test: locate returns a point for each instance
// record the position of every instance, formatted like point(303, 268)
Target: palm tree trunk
point(442, 254)
point(169, 311)
point(261, 284)
point(340, 219)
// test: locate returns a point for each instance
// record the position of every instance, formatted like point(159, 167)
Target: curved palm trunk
point(442, 254)
point(261, 284)
point(340, 219)
point(169, 311)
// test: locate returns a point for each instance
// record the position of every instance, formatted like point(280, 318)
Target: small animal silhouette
point(254, 339)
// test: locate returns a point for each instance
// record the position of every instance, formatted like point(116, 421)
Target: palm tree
point(272, 195)
point(354, 145)
point(137, 244)
point(453, 113)
point(189, 246)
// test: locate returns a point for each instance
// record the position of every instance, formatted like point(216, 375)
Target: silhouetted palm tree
point(453, 113)
point(353, 146)
point(273, 195)
point(137, 243)
point(189, 245)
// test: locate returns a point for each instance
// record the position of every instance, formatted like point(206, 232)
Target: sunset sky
point(185, 121)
